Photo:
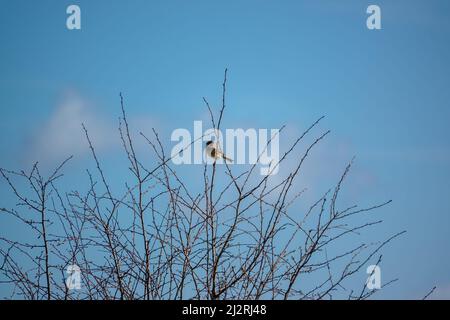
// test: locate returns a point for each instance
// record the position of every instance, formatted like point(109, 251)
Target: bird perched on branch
point(213, 151)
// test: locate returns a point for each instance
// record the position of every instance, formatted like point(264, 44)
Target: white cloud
point(62, 134)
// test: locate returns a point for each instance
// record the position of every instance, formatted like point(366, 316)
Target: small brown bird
point(214, 152)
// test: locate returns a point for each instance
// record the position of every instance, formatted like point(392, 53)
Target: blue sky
point(384, 94)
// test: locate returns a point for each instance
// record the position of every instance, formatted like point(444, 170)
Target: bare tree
point(239, 237)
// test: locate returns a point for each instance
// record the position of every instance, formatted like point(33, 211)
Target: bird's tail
point(226, 158)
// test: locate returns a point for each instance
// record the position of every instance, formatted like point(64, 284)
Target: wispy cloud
point(62, 135)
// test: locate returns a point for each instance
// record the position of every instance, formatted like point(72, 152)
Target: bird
point(214, 152)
